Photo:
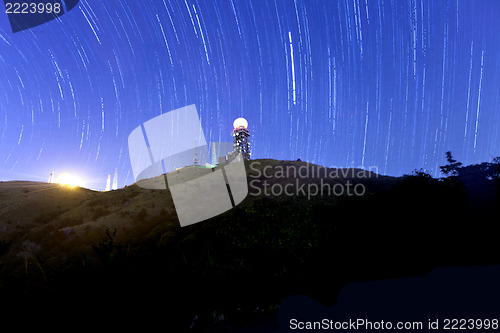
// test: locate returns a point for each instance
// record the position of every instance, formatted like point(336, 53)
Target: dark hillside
point(124, 253)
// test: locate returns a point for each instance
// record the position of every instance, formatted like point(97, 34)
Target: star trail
point(392, 84)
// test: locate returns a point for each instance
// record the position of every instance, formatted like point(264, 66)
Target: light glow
point(240, 122)
point(69, 180)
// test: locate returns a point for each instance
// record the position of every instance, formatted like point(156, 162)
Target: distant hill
point(34, 211)
point(123, 250)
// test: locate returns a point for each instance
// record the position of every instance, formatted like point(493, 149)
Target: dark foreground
point(105, 260)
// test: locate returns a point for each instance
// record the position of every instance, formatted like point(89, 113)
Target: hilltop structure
point(115, 180)
point(51, 177)
point(241, 135)
point(108, 183)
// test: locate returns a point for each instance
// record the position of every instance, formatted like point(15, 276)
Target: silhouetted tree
point(452, 168)
point(496, 161)
point(106, 248)
point(420, 173)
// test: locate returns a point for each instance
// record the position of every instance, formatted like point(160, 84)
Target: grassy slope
point(53, 241)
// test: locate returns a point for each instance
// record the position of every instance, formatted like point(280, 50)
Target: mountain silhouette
point(125, 253)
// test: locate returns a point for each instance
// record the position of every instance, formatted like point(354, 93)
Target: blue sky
point(391, 84)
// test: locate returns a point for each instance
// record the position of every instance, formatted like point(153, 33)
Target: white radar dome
point(240, 122)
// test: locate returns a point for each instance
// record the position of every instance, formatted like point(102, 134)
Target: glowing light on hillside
point(69, 180)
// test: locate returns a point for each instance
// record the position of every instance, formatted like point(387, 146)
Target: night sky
point(392, 84)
